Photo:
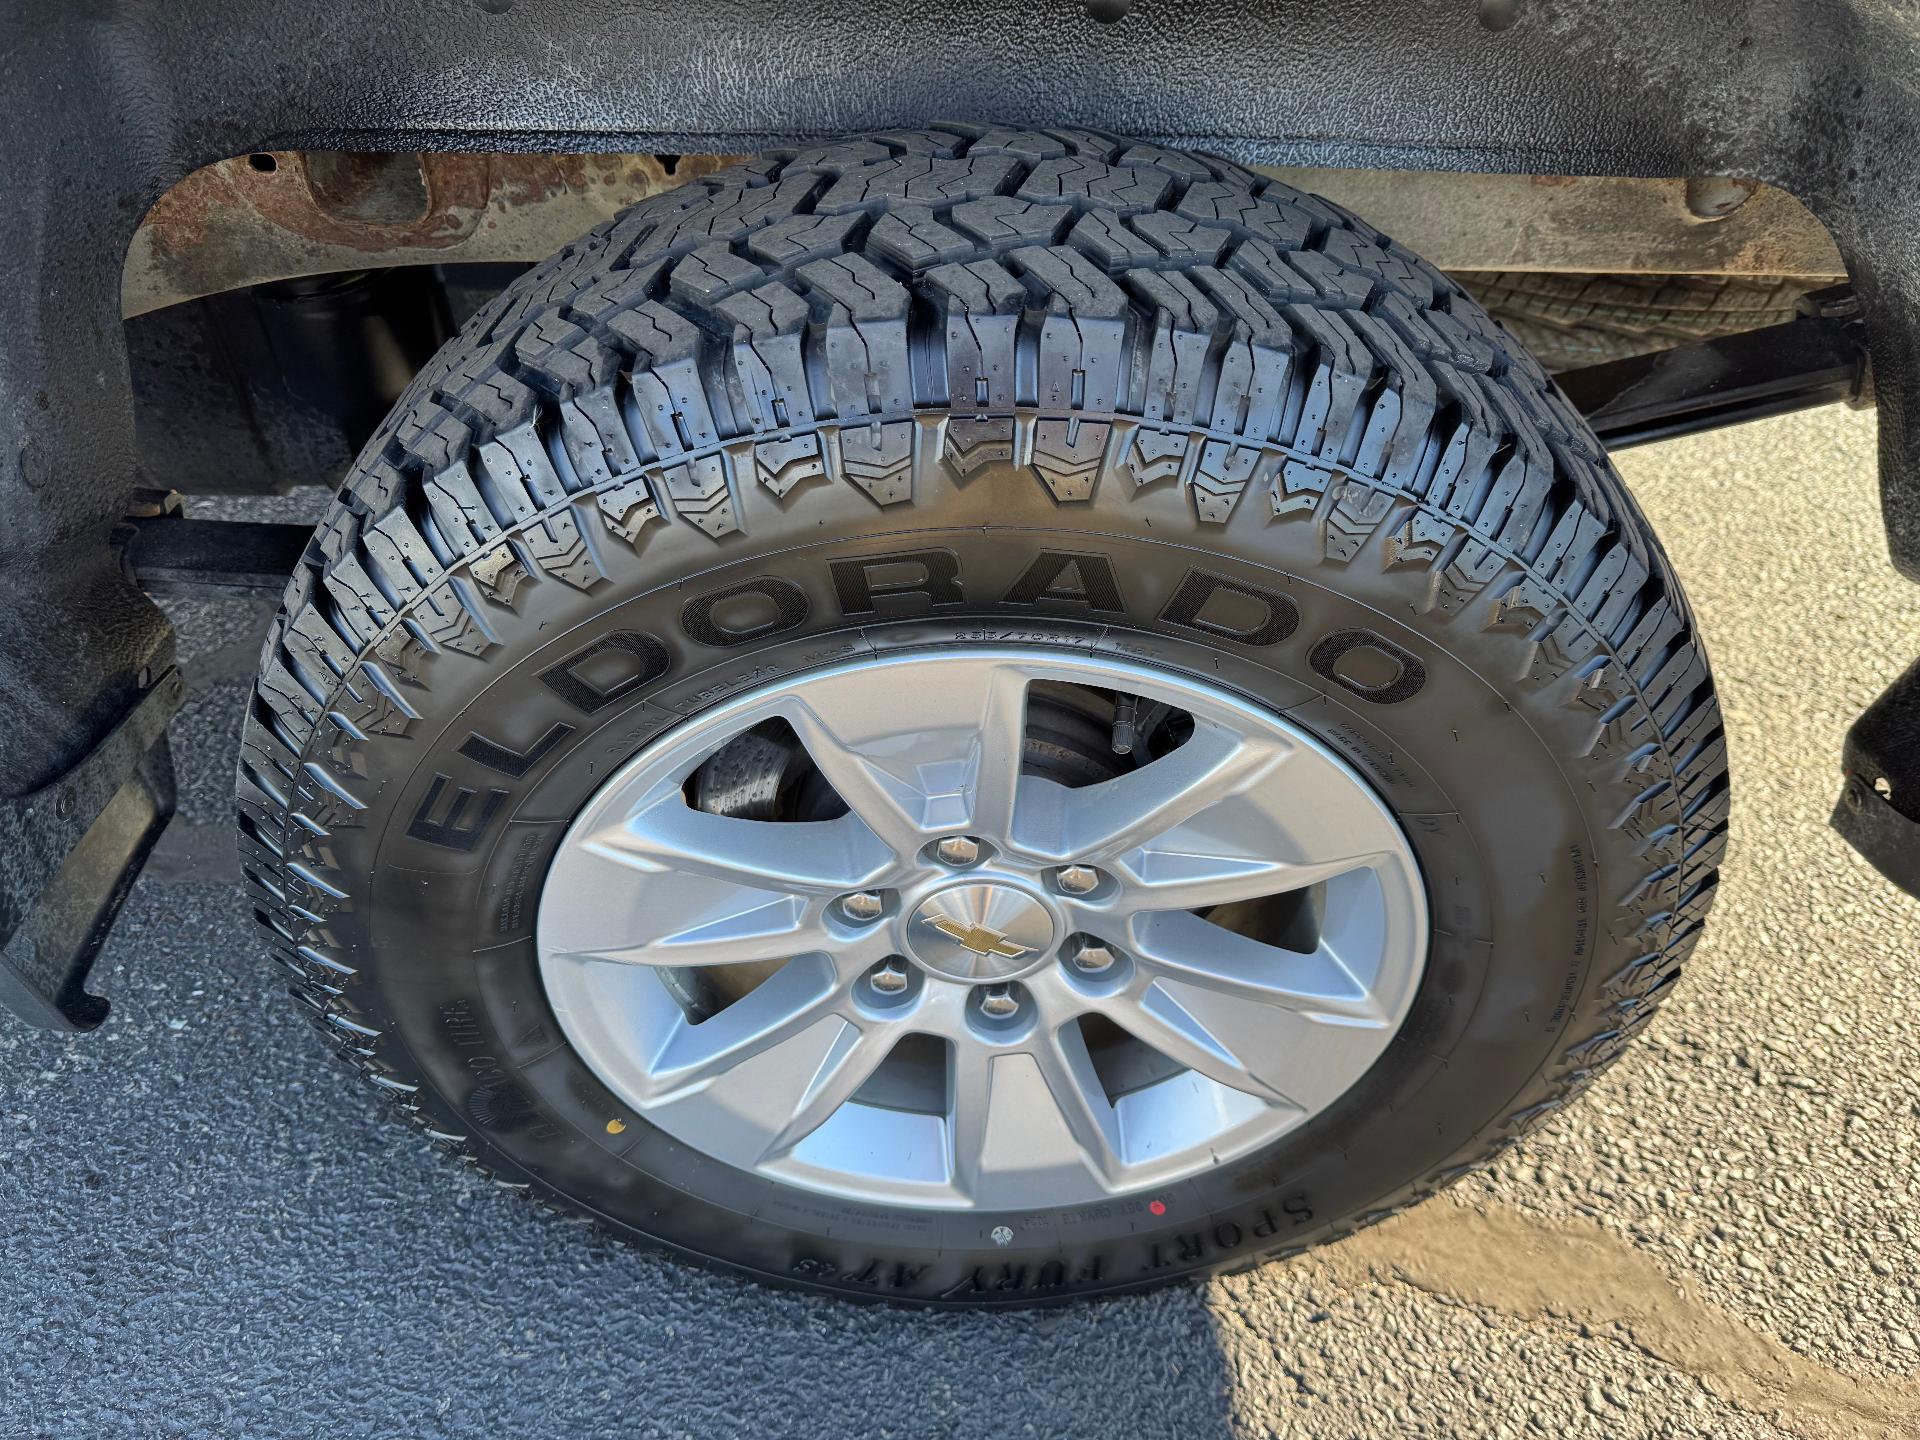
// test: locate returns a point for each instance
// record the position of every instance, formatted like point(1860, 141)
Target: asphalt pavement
point(206, 1231)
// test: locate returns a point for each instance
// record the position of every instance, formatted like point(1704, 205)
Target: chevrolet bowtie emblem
point(978, 938)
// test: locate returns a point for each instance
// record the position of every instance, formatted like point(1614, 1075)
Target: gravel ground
point(210, 1233)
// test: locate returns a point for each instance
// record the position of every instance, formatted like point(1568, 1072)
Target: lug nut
point(998, 1003)
point(863, 905)
point(1078, 879)
point(958, 850)
point(1093, 959)
point(889, 980)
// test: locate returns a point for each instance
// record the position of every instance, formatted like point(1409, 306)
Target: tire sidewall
point(1474, 763)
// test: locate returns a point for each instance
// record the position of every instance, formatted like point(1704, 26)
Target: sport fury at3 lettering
point(1010, 401)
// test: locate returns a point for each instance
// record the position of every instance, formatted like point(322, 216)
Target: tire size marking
point(1186, 1248)
point(1582, 924)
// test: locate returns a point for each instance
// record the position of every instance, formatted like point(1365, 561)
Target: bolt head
point(863, 905)
point(998, 1003)
point(1093, 959)
point(889, 981)
point(958, 850)
point(1078, 879)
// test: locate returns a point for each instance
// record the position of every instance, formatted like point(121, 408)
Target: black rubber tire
point(1125, 399)
point(1570, 320)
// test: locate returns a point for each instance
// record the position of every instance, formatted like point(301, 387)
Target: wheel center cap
point(981, 933)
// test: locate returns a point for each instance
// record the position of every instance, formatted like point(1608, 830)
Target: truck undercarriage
point(952, 691)
point(343, 149)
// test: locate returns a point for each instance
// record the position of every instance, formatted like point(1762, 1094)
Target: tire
point(1568, 321)
point(1107, 382)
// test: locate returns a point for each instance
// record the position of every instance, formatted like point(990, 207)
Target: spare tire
point(982, 716)
point(1573, 320)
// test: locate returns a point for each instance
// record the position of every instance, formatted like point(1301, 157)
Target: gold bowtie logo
point(979, 939)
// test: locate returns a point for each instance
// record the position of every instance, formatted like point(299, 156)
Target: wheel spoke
point(1292, 825)
point(1080, 1099)
point(770, 1031)
point(724, 891)
point(820, 857)
point(1232, 1044)
point(702, 923)
point(767, 1103)
point(1165, 878)
point(1105, 821)
point(1017, 1119)
point(847, 1065)
point(1315, 985)
point(940, 755)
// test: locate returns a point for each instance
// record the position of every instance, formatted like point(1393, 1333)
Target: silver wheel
point(960, 981)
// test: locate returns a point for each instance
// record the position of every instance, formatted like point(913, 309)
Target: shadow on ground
point(211, 1230)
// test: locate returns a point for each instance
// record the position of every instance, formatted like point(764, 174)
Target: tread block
point(1227, 204)
point(1223, 472)
point(556, 547)
point(1356, 512)
point(782, 464)
point(1029, 145)
point(866, 340)
point(1299, 489)
point(971, 445)
point(1069, 283)
point(700, 490)
point(912, 238)
point(1184, 325)
point(1340, 368)
point(449, 620)
point(629, 507)
point(1421, 539)
point(1067, 455)
point(709, 274)
point(596, 439)
point(732, 215)
point(879, 459)
point(920, 180)
point(463, 518)
point(1175, 162)
point(1183, 240)
point(1154, 455)
point(981, 304)
point(1125, 189)
point(1003, 221)
point(800, 238)
point(1112, 242)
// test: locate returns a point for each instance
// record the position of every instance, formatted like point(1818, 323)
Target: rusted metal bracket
point(282, 214)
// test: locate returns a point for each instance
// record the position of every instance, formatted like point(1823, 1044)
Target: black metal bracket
point(70, 852)
point(1818, 358)
point(172, 555)
point(1879, 808)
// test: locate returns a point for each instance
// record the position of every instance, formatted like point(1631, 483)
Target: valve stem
point(1125, 711)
